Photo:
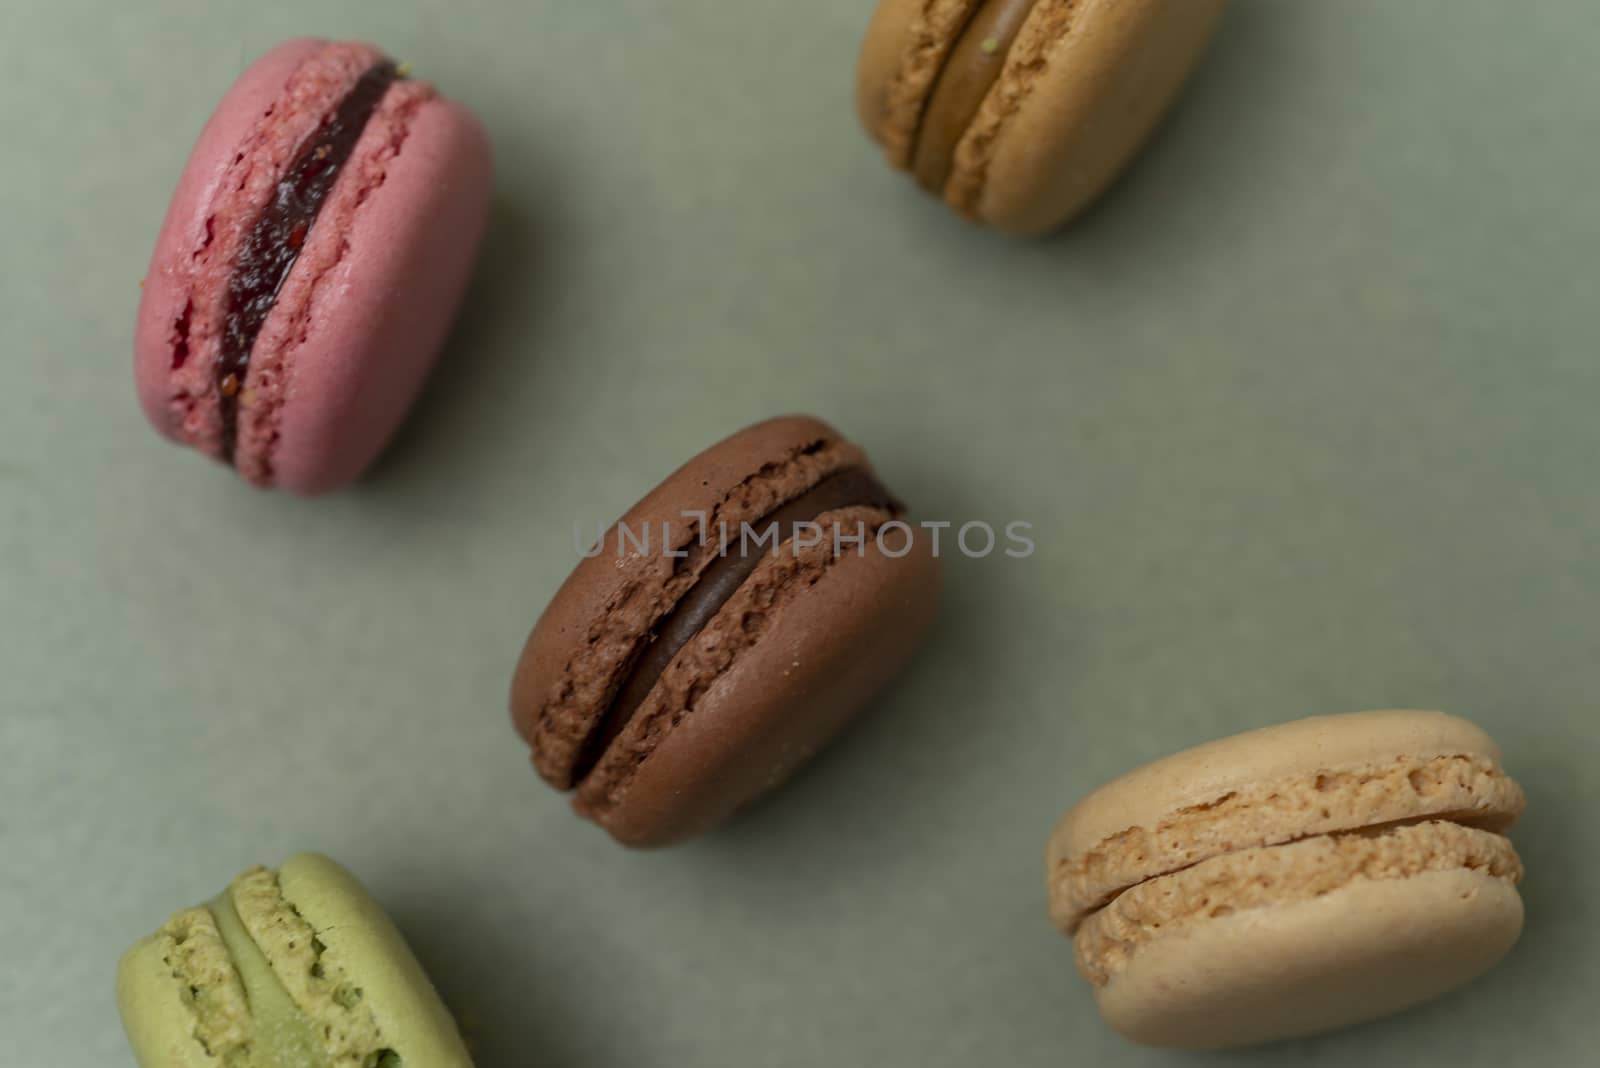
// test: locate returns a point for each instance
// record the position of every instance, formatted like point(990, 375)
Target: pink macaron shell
point(357, 343)
point(167, 283)
point(198, 270)
point(316, 280)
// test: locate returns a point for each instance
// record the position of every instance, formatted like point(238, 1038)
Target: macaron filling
point(273, 245)
point(851, 488)
point(281, 1034)
point(263, 990)
point(195, 956)
point(971, 69)
point(1463, 788)
point(1273, 876)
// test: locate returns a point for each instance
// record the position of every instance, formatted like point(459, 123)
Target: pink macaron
point(311, 262)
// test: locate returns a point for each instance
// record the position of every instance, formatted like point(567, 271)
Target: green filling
point(284, 1038)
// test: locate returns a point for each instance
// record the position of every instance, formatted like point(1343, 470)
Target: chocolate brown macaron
point(1019, 113)
point(722, 631)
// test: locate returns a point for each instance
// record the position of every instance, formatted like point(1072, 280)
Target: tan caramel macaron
point(1019, 113)
point(1291, 880)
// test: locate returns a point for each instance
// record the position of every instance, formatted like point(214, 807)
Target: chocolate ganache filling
point(850, 488)
point(970, 71)
point(273, 245)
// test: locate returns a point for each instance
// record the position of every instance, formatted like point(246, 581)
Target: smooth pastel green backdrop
point(1304, 417)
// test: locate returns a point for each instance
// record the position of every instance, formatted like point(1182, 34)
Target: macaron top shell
point(1090, 84)
point(1201, 774)
point(370, 333)
point(359, 935)
point(159, 1021)
point(1307, 964)
point(375, 270)
point(1311, 776)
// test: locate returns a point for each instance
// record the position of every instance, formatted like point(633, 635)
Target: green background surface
point(1303, 416)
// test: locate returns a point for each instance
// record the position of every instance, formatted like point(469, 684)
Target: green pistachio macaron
point(294, 968)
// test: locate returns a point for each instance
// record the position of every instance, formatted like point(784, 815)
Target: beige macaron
point(1291, 880)
point(1021, 112)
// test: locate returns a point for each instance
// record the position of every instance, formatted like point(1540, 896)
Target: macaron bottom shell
point(825, 646)
point(369, 339)
point(1048, 145)
point(1359, 953)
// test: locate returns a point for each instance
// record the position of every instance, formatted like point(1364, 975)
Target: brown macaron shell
point(604, 612)
point(646, 785)
point(791, 658)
